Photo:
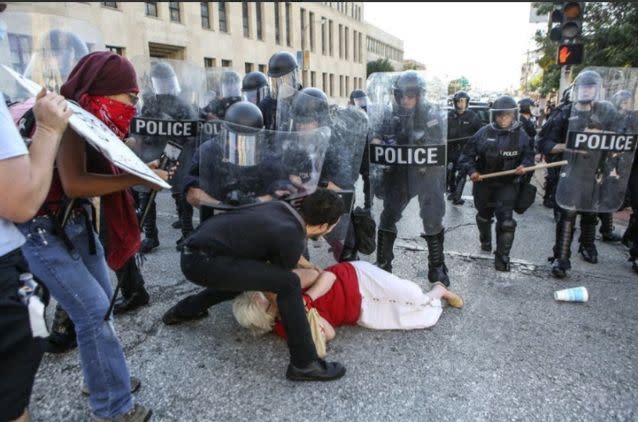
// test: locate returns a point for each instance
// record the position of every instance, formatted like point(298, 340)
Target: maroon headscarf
point(106, 73)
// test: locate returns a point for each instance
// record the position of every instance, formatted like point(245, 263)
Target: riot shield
point(408, 131)
point(601, 140)
point(43, 48)
point(241, 165)
point(341, 169)
point(223, 89)
point(167, 122)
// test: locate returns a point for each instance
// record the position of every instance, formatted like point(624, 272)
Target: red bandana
point(115, 114)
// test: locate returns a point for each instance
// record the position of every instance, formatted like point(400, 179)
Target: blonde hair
point(249, 315)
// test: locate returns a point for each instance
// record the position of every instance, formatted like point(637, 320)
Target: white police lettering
point(432, 123)
point(604, 142)
point(163, 127)
point(206, 128)
point(510, 153)
point(405, 155)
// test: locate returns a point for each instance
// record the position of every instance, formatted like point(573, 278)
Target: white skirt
point(392, 303)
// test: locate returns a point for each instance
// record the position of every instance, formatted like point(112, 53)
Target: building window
point(346, 33)
point(173, 7)
point(227, 63)
point(311, 23)
point(323, 37)
point(263, 68)
point(313, 78)
point(210, 62)
point(117, 50)
point(205, 12)
point(277, 23)
point(347, 85)
point(330, 43)
point(244, 19)
point(223, 24)
point(288, 25)
point(112, 4)
point(302, 24)
point(304, 77)
point(20, 47)
point(341, 85)
point(360, 48)
point(249, 67)
point(354, 45)
point(151, 8)
point(258, 16)
point(332, 84)
point(324, 80)
point(340, 41)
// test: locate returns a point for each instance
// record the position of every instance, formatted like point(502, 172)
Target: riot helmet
point(240, 133)
point(255, 87)
point(525, 105)
point(622, 100)
point(409, 84)
point(164, 79)
point(309, 108)
point(359, 98)
point(459, 95)
point(284, 74)
point(230, 84)
point(504, 113)
point(587, 87)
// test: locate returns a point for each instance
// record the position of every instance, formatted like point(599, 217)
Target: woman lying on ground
point(351, 293)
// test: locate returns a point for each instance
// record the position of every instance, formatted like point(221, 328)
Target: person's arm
point(25, 179)
point(467, 159)
point(304, 263)
point(328, 330)
point(78, 183)
point(307, 276)
point(196, 197)
point(322, 285)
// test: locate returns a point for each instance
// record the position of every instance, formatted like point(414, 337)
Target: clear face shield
point(256, 95)
point(585, 93)
point(284, 86)
point(504, 119)
point(231, 89)
point(461, 104)
point(166, 86)
point(241, 149)
point(361, 102)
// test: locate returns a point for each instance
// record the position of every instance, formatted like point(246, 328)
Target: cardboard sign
point(99, 136)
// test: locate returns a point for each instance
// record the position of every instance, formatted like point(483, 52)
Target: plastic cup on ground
point(575, 294)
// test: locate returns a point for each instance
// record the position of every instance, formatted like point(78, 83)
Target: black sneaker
point(137, 299)
point(559, 268)
point(589, 253)
point(172, 317)
point(148, 244)
point(319, 370)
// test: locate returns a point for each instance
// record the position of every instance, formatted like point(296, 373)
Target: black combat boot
point(151, 235)
point(629, 234)
point(134, 293)
point(607, 228)
point(562, 248)
point(62, 337)
point(450, 180)
point(186, 219)
point(385, 245)
point(485, 233)
point(504, 240)
point(587, 247)
point(437, 271)
point(461, 178)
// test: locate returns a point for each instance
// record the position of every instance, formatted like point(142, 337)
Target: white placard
point(98, 135)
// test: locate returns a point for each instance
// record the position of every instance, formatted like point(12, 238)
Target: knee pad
point(507, 225)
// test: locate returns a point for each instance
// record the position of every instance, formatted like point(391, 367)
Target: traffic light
point(569, 54)
point(572, 21)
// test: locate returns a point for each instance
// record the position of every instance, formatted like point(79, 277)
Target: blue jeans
point(80, 282)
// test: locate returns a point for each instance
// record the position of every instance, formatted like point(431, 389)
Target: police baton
point(527, 169)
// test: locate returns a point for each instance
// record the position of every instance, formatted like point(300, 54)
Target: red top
point(341, 305)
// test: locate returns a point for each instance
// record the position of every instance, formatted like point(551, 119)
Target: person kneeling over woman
point(351, 293)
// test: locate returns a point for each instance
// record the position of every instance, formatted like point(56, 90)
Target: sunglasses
point(134, 98)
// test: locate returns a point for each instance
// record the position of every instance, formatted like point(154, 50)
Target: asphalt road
point(512, 353)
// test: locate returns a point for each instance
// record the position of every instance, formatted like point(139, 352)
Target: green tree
point(379, 65)
point(460, 84)
point(610, 31)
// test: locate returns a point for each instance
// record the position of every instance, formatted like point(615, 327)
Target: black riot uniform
point(420, 125)
point(461, 125)
point(165, 104)
point(359, 98)
point(586, 114)
point(496, 148)
point(284, 73)
point(525, 108)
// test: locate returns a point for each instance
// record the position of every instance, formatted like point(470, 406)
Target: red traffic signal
point(569, 54)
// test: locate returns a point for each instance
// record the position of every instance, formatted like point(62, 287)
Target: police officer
point(230, 93)
point(585, 114)
point(360, 99)
point(254, 87)
point(462, 123)
point(501, 145)
point(525, 115)
point(412, 121)
point(284, 81)
point(165, 103)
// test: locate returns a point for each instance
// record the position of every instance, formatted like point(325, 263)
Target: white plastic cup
point(575, 294)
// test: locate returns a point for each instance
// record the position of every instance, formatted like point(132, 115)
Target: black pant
point(20, 352)
point(494, 199)
point(232, 274)
point(633, 193)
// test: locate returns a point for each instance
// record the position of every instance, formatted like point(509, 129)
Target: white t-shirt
point(11, 145)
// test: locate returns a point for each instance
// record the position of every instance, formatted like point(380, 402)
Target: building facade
point(330, 39)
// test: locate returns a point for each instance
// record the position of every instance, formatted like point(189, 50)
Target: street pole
point(565, 79)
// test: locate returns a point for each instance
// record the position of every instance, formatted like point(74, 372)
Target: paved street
point(512, 353)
